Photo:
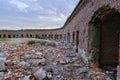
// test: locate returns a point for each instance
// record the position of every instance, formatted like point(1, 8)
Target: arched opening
point(4, 36)
point(27, 35)
point(60, 36)
point(104, 38)
point(55, 36)
point(21, 35)
point(0, 35)
point(73, 37)
point(68, 37)
point(51, 36)
point(37, 36)
point(13, 35)
point(45, 36)
point(30, 35)
point(9, 36)
point(77, 40)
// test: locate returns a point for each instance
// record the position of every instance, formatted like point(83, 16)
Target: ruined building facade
point(93, 27)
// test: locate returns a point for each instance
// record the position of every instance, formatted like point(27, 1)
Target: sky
point(35, 14)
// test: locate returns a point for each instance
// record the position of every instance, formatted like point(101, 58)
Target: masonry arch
point(77, 40)
point(45, 36)
point(73, 37)
point(4, 35)
point(27, 35)
point(31, 36)
point(9, 36)
point(60, 36)
point(68, 37)
point(103, 40)
point(13, 35)
point(22, 36)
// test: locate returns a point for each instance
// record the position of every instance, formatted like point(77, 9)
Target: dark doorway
point(9, 36)
point(27, 35)
point(68, 37)
point(21, 35)
point(73, 37)
point(4, 36)
point(30, 35)
point(104, 38)
point(77, 40)
point(17, 35)
point(60, 36)
point(13, 35)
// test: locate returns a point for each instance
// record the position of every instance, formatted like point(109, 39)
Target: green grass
point(42, 42)
point(79, 58)
point(52, 44)
point(4, 39)
point(13, 44)
point(31, 42)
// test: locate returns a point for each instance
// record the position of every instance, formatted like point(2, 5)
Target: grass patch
point(52, 44)
point(31, 42)
point(79, 57)
point(13, 44)
point(36, 42)
point(41, 42)
point(4, 39)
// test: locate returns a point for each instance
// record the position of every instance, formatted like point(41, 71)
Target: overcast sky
point(35, 14)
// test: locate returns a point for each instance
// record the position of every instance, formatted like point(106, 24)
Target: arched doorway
point(73, 37)
point(4, 35)
point(77, 40)
point(27, 35)
point(13, 35)
point(22, 36)
point(104, 38)
point(68, 37)
point(31, 36)
point(9, 36)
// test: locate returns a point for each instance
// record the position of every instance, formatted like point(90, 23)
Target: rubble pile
point(24, 62)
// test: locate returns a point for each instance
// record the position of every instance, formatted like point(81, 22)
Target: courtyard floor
point(45, 62)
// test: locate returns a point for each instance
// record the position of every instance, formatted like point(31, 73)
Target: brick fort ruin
point(93, 28)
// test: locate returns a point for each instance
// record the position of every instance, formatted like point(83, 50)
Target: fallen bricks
point(25, 62)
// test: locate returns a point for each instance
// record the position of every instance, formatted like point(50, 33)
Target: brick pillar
point(118, 67)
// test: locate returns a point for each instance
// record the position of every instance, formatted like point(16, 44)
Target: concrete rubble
point(24, 62)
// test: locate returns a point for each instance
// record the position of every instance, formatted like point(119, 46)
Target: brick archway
point(4, 35)
point(104, 38)
point(77, 40)
point(9, 36)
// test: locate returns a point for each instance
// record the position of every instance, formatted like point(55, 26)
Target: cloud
point(51, 12)
point(54, 21)
point(60, 17)
point(20, 5)
point(35, 14)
